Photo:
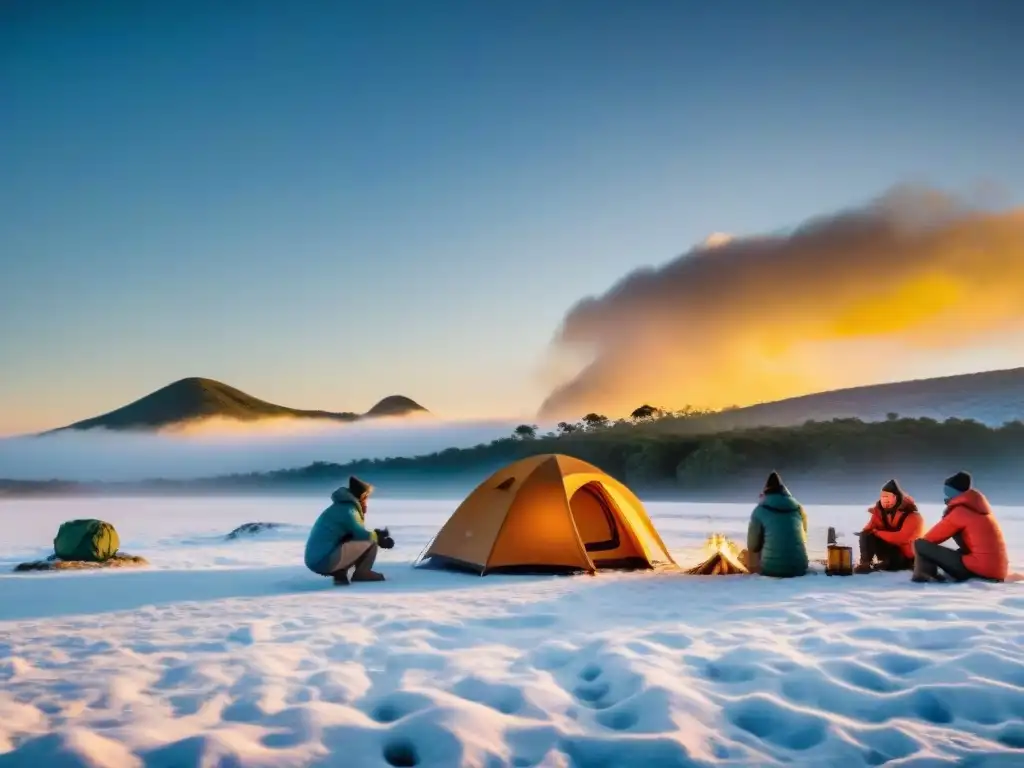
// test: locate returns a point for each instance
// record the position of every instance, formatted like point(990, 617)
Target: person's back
point(778, 531)
point(969, 520)
point(340, 522)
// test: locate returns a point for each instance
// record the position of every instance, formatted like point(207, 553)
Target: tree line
point(593, 422)
point(651, 458)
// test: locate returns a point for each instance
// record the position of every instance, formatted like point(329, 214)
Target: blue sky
point(323, 203)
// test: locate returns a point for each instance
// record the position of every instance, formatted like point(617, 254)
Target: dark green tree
point(644, 413)
point(708, 465)
point(651, 464)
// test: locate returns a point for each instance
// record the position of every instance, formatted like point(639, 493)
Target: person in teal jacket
point(777, 534)
point(340, 540)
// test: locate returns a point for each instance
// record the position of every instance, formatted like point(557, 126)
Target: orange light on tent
point(549, 513)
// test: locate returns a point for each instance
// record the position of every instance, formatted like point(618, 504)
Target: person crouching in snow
point(777, 534)
point(340, 541)
point(970, 522)
point(890, 533)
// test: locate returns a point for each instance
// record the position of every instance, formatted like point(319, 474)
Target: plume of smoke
point(840, 301)
point(216, 449)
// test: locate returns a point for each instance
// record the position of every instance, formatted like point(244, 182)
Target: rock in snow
point(251, 529)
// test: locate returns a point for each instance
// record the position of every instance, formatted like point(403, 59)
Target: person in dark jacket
point(777, 534)
point(340, 540)
point(890, 533)
point(970, 522)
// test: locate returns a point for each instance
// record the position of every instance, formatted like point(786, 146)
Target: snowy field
point(231, 653)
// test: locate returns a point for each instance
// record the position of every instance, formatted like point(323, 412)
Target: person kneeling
point(340, 541)
point(970, 522)
point(890, 533)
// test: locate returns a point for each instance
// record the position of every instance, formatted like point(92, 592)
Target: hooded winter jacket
point(342, 521)
point(969, 519)
point(778, 530)
point(901, 525)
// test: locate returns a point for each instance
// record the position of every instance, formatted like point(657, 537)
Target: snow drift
point(231, 653)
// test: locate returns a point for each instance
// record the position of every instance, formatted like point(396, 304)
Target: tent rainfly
point(548, 514)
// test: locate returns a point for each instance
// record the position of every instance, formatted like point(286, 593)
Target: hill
point(992, 397)
point(395, 405)
point(193, 399)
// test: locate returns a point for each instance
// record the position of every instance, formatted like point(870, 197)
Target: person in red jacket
point(890, 533)
point(970, 522)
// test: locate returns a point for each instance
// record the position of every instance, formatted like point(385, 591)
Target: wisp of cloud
point(843, 300)
point(102, 455)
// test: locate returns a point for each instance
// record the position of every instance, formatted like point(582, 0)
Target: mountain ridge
point(990, 397)
point(195, 399)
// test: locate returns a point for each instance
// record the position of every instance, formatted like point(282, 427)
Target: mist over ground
point(102, 455)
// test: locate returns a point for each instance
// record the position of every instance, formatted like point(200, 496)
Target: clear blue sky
point(325, 202)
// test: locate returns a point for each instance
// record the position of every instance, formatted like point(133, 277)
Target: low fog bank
point(104, 456)
point(1003, 485)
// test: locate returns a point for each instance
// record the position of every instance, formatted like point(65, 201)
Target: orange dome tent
point(548, 514)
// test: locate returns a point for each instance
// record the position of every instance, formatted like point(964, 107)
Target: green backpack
point(92, 541)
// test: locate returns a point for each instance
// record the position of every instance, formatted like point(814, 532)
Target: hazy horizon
point(1001, 486)
point(101, 456)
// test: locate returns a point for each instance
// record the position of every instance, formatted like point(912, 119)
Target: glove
point(384, 540)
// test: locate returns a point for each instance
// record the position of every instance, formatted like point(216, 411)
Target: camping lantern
point(839, 561)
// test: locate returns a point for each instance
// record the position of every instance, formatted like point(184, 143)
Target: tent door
point(594, 519)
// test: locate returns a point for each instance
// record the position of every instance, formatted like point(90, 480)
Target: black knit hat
point(774, 483)
point(893, 486)
point(359, 488)
point(961, 482)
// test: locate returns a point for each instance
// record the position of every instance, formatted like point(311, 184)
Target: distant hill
point(395, 405)
point(993, 398)
point(193, 399)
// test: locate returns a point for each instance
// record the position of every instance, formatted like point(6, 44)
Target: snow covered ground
point(230, 653)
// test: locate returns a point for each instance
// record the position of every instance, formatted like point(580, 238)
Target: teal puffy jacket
point(778, 530)
point(340, 522)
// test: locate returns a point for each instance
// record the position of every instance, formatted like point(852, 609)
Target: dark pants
point(890, 556)
point(931, 557)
